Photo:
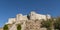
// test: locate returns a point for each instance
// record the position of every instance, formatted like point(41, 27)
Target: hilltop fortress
point(27, 22)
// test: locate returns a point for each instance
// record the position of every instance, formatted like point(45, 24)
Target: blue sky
point(9, 8)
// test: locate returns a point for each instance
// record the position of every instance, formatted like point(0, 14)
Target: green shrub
point(57, 23)
point(5, 27)
point(18, 27)
point(47, 24)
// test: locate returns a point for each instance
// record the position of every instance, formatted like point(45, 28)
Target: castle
point(27, 22)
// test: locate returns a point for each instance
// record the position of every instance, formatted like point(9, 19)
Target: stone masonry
point(33, 23)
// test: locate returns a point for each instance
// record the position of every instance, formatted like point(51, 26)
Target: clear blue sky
point(9, 8)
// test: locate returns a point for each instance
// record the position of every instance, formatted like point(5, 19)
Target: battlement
point(33, 16)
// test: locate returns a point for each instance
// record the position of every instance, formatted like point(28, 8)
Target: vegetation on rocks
point(57, 23)
point(53, 23)
point(18, 27)
point(5, 27)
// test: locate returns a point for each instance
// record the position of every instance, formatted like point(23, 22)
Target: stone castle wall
point(34, 23)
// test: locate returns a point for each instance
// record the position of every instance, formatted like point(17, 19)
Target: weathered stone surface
point(43, 28)
point(13, 27)
point(33, 25)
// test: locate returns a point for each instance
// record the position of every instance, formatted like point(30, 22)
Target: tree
point(5, 27)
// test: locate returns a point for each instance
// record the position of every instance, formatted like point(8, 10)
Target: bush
point(5, 27)
point(47, 24)
point(18, 27)
point(57, 23)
